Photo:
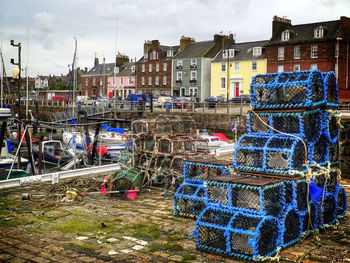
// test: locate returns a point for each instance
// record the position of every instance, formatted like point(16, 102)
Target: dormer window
point(318, 32)
point(170, 53)
point(146, 55)
point(285, 35)
point(228, 52)
point(154, 55)
point(257, 51)
point(133, 69)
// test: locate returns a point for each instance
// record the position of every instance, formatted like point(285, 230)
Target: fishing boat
point(6, 158)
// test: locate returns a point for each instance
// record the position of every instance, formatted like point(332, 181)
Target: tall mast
point(27, 88)
point(2, 65)
point(74, 74)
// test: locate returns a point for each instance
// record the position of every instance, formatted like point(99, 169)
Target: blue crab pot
point(332, 125)
point(288, 90)
point(279, 154)
point(305, 124)
point(247, 193)
point(329, 207)
point(341, 202)
point(291, 226)
point(333, 152)
point(330, 83)
point(233, 233)
point(319, 150)
point(189, 200)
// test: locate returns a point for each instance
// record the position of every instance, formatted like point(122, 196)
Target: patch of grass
point(9, 223)
point(188, 257)
point(149, 230)
point(153, 248)
point(173, 246)
point(176, 236)
point(77, 226)
point(83, 245)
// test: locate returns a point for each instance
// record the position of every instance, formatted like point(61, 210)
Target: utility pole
point(12, 42)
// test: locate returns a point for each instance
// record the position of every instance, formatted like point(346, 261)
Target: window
point(280, 53)
point(193, 92)
point(193, 61)
point(296, 52)
point(87, 81)
point(257, 51)
point(193, 75)
point(150, 68)
point(154, 55)
point(318, 32)
point(254, 65)
point(130, 81)
point(223, 67)
point(236, 66)
point(101, 82)
point(313, 66)
point(164, 80)
point(149, 80)
point(113, 81)
point(143, 68)
point(179, 63)
point(121, 81)
point(314, 51)
point(165, 67)
point(170, 53)
point(146, 55)
point(94, 81)
point(232, 53)
point(229, 52)
point(157, 67)
point(179, 76)
point(143, 80)
point(296, 67)
point(285, 35)
point(133, 69)
point(157, 80)
point(223, 83)
point(280, 68)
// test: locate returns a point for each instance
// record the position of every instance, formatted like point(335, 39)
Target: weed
point(83, 245)
point(76, 226)
point(173, 246)
point(146, 230)
point(188, 257)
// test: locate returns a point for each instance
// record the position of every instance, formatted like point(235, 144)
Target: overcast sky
point(50, 26)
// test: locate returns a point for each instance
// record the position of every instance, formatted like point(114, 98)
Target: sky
point(47, 29)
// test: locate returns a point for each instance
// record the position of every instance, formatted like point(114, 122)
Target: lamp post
point(227, 52)
point(12, 42)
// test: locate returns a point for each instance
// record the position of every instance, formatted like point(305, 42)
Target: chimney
point(86, 69)
point(278, 24)
point(96, 62)
point(184, 41)
point(146, 46)
point(121, 59)
point(155, 43)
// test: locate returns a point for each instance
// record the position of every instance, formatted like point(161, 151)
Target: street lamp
point(19, 46)
point(227, 53)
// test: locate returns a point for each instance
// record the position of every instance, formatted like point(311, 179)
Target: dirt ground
point(96, 228)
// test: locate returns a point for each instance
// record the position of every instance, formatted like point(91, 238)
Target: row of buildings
point(223, 67)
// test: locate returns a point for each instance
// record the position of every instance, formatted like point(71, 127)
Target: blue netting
point(341, 200)
point(287, 90)
point(331, 124)
point(269, 153)
point(330, 83)
point(199, 172)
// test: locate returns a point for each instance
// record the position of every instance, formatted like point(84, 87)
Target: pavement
point(95, 228)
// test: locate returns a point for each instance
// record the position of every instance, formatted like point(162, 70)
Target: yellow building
point(246, 60)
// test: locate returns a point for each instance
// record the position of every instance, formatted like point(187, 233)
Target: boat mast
point(27, 88)
point(2, 65)
point(74, 75)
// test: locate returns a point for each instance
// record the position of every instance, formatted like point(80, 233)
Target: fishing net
point(139, 127)
point(330, 83)
point(333, 152)
point(291, 227)
point(149, 145)
point(255, 125)
point(164, 145)
point(341, 203)
point(320, 151)
point(177, 164)
point(127, 179)
point(198, 172)
point(329, 209)
point(332, 125)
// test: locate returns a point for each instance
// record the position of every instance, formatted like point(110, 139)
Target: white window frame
point(143, 67)
point(313, 66)
point(254, 65)
point(223, 67)
point(164, 80)
point(121, 81)
point(149, 80)
point(94, 81)
point(179, 62)
point(193, 91)
point(318, 32)
point(101, 81)
point(193, 61)
point(236, 66)
point(179, 75)
point(296, 67)
point(143, 80)
point(223, 83)
point(257, 51)
point(133, 69)
point(154, 55)
point(157, 80)
point(231, 53)
point(193, 75)
point(157, 67)
point(280, 68)
point(314, 51)
point(285, 35)
point(165, 66)
point(280, 53)
point(87, 82)
point(149, 67)
point(170, 53)
point(297, 53)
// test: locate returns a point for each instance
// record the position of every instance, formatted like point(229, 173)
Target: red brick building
point(153, 70)
point(323, 46)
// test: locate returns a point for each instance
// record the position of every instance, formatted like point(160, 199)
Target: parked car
point(212, 101)
point(162, 100)
point(180, 103)
point(59, 98)
point(241, 99)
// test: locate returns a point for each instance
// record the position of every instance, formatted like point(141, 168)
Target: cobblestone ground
point(108, 229)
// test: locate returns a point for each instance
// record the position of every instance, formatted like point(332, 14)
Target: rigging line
point(98, 88)
point(70, 83)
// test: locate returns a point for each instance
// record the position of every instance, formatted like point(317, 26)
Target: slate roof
point(126, 70)
point(96, 70)
point(164, 50)
point(305, 32)
point(195, 50)
point(243, 51)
